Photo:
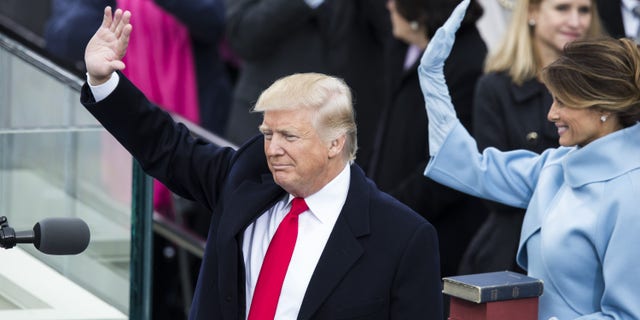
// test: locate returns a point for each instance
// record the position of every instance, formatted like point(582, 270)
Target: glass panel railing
point(55, 160)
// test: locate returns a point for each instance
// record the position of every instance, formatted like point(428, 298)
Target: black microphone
point(56, 236)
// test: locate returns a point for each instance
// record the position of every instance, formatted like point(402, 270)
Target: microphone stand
point(9, 237)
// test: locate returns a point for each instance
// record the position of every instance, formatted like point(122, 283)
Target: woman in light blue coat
point(581, 230)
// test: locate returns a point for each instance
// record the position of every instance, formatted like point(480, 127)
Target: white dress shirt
point(413, 53)
point(314, 227)
point(102, 91)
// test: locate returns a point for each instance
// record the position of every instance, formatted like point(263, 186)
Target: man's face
point(298, 158)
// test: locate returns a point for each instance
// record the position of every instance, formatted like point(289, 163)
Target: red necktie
point(275, 264)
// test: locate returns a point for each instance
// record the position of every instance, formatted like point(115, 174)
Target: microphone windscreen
point(60, 236)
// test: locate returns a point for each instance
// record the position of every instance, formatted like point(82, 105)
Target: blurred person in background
point(493, 23)
point(401, 141)
point(178, 38)
point(274, 38)
point(398, 160)
point(621, 18)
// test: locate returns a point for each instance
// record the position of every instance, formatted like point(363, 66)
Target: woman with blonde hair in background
point(510, 107)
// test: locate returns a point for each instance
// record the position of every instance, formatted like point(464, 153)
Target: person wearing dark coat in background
point(275, 38)
point(619, 19)
point(511, 106)
point(521, 123)
point(401, 142)
point(611, 15)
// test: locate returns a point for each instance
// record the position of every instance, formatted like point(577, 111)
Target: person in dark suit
point(275, 38)
point(401, 144)
point(611, 14)
point(359, 252)
point(510, 108)
point(619, 19)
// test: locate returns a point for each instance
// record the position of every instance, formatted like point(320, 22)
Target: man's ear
point(336, 146)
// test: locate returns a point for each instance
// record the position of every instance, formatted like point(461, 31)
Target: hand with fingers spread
point(442, 116)
point(108, 45)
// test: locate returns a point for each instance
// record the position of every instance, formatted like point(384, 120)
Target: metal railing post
point(141, 245)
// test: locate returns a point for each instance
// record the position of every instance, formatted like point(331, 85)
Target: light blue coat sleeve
point(442, 116)
point(506, 177)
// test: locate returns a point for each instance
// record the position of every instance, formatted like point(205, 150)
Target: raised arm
point(442, 116)
point(506, 177)
point(108, 45)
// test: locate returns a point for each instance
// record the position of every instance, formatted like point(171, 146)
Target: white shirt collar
point(330, 198)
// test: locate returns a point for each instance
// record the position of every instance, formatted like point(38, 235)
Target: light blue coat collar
point(603, 159)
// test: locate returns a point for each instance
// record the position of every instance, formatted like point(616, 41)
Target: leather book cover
point(492, 286)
